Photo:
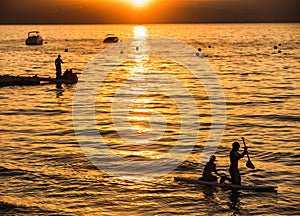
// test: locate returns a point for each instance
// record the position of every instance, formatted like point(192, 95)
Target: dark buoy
point(197, 54)
point(199, 49)
point(46, 42)
point(137, 48)
point(121, 52)
point(279, 44)
point(67, 40)
point(279, 51)
point(275, 47)
point(209, 46)
point(66, 50)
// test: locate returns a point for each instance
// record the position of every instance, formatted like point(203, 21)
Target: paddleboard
point(229, 186)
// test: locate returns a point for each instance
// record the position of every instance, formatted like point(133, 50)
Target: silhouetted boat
point(110, 38)
point(8, 80)
point(34, 38)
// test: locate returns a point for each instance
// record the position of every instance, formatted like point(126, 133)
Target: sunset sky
point(147, 11)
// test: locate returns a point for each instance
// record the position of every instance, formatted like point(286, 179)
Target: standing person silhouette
point(235, 156)
point(58, 63)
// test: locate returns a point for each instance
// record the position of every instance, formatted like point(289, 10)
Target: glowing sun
point(139, 3)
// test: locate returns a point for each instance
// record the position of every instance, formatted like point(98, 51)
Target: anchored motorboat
point(34, 38)
point(111, 38)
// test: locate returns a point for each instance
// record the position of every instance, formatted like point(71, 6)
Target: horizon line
point(150, 23)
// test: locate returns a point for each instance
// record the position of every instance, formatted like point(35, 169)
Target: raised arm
point(245, 148)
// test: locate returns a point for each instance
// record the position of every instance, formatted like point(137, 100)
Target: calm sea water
point(43, 169)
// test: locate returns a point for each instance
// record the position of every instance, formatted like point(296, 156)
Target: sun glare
point(139, 3)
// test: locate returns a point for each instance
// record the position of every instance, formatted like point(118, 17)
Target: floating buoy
point(209, 46)
point(46, 42)
point(199, 49)
point(121, 52)
point(67, 40)
point(137, 48)
point(279, 44)
point(197, 54)
point(279, 51)
point(275, 47)
point(66, 50)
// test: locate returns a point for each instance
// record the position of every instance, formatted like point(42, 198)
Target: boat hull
point(228, 186)
point(111, 40)
point(34, 41)
point(8, 80)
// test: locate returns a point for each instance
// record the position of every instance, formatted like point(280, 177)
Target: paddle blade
point(250, 165)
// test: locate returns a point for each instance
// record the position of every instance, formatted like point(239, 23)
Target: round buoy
point(275, 47)
point(46, 42)
point(279, 51)
point(121, 52)
point(209, 46)
point(199, 49)
point(67, 40)
point(66, 50)
point(137, 48)
point(279, 44)
point(197, 54)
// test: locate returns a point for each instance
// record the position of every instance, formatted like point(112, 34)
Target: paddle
point(249, 164)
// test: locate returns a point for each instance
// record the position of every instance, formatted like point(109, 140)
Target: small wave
point(282, 118)
point(137, 158)
point(17, 206)
point(249, 125)
point(6, 208)
point(11, 172)
point(245, 103)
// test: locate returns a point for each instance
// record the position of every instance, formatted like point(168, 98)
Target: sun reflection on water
point(140, 32)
